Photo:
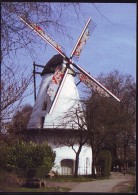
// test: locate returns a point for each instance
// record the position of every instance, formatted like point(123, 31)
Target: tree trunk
point(125, 155)
point(76, 165)
point(93, 164)
point(93, 168)
point(77, 161)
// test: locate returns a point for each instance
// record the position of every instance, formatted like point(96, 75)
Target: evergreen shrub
point(28, 157)
point(104, 160)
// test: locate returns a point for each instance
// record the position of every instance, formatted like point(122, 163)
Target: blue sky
point(111, 46)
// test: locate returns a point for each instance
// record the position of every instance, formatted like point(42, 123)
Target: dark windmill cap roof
point(50, 67)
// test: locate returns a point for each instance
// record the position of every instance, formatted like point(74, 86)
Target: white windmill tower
point(58, 95)
point(67, 99)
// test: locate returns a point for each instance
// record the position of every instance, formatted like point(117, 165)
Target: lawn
point(46, 189)
point(70, 179)
point(129, 189)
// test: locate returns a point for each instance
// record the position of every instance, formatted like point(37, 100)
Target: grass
point(128, 189)
point(46, 189)
point(131, 172)
point(70, 179)
point(80, 178)
point(131, 187)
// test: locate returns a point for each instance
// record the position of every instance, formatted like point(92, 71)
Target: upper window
point(44, 106)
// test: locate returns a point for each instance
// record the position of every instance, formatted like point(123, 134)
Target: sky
point(111, 46)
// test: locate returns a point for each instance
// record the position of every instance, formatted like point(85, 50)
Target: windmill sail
point(90, 83)
point(56, 85)
point(87, 79)
point(88, 29)
point(44, 36)
point(84, 76)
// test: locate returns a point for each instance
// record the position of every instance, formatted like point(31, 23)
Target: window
point(42, 121)
point(44, 106)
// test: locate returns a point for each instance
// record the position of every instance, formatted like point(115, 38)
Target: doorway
point(67, 166)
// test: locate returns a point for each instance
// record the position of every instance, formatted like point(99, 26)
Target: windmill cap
point(52, 64)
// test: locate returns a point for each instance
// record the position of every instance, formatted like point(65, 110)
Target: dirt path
point(115, 183)
point(69, 185)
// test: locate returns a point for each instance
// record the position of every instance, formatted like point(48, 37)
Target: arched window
point(87, 165)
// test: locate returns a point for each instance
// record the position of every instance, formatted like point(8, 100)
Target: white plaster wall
point(37, 112)
point(66, 103)
point(65, 152)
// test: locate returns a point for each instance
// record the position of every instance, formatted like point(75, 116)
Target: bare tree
point(80, 135)
point(111, 124)
point(75, 134)
point(20, 120)
point(128, 116)
point(15, 35)
point(100, 114)
point(125, 87)
point(13, 86)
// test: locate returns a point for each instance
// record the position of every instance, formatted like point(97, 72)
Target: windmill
point(58, 92)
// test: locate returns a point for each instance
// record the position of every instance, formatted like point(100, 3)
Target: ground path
point(115, 183)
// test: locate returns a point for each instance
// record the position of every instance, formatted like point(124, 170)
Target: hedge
point(104, 160)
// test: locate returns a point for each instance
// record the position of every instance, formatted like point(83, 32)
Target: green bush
point(104, 160)
point(32, 172)
point(29, 156)
point(40, 172)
